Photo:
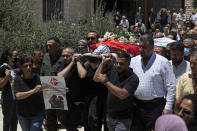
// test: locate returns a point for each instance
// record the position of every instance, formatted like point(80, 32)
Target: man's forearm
point(3, 81)
point(66, 70)
point(98, 71)
point(169, 84)
point(121, 93)
point(81, 70)
point(170, 99)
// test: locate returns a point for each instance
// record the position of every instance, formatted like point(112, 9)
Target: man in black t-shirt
point(121, 83)
point(73, 71)
point(117, 18)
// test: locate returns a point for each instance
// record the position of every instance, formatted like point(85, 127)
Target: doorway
point(126, 7)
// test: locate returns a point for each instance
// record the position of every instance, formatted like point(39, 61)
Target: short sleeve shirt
point(7, 91)
point(33, 104)
point(74, 83)
point(117, 108)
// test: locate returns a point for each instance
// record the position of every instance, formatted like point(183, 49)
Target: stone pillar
point(38, 8)
point(188, 8)
point(66, 9)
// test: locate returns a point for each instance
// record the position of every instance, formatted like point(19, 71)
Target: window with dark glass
point(53, 9)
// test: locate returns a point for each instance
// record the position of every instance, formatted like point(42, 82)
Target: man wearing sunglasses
point(93, 39)
point(96, 92)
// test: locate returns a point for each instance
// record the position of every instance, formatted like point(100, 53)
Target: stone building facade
point(188, 8)
point(69, 8)
point(73, 9)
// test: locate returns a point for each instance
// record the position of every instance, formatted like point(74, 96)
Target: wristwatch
point(105, 81)
point(78, 60)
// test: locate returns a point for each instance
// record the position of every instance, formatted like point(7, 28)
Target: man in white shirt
point(180, 66)
point(124, 22)
point(141, 25)
point(192, 19)
point(195, 19)
point(155, 93)
point(181, 17)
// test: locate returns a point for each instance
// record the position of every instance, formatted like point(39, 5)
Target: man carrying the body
point(121, 83)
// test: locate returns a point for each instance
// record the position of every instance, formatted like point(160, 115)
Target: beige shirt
point(184, 86)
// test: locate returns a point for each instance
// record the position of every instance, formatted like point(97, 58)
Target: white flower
point(108, 35)
point(123, 39)
point(101, 39)
point(113, 36)
point(132, 40)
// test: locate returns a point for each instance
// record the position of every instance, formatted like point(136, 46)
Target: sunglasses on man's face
point(26, 65)
point(66, 56)
point(91, 38)
point(184, 111)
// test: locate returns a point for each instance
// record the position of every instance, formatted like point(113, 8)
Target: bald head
point(159, 35)
point(192, 31)
point(123, 17)
point(67, 54)
point(69, 49)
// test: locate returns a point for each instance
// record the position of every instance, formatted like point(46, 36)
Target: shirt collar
point(150, 62)
point(182, 63)
point(124, 76)
point(58, 56)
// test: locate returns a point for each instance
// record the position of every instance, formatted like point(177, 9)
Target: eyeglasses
point(184, 111)
point(66, 55)
point(91, 38)
point(26, 65)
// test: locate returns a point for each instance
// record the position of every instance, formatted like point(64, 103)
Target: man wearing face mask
point(16, 58)
point(188, 44)
point(187, 83)
point(180, 66)
point(82, 46)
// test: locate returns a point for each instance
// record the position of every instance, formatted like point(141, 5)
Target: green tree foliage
point(20, 27)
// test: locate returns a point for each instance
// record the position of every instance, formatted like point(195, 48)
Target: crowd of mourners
point(156, 90)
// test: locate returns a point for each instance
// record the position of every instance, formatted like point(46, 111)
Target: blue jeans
point(118, 124)
point(31, 123)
